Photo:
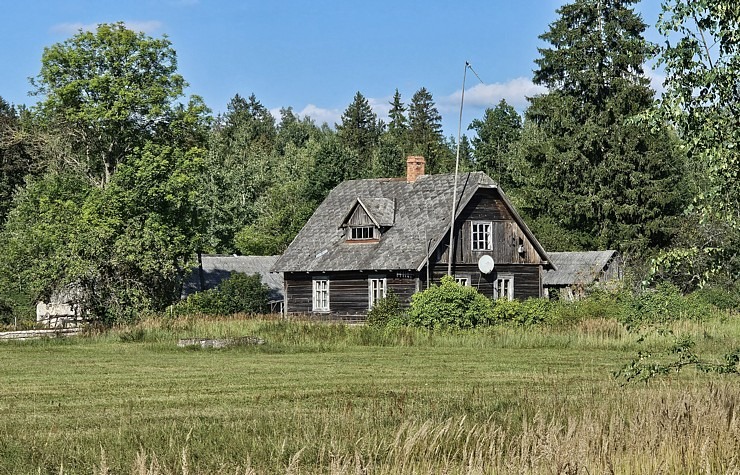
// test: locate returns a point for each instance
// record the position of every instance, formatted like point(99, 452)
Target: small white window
point(320, 295)
point(376, 289)
point(481, 236)
point(504, 288)
point(463, 280)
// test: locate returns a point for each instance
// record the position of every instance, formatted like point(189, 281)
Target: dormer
point(368, 218)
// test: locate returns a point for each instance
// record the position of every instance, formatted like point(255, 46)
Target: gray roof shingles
point(576, 267)
point(217, 268)
point(422, 214)
point(382, 210)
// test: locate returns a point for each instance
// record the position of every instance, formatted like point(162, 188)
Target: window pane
point(321, 295)
point(376, 290)
point(361, 233)
point(504, 288)
point(481, 237)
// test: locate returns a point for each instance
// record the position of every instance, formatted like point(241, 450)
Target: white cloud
point(381, 107)
point(515, 92)
point(73, 28)
point(320, 115)
point(149, 26)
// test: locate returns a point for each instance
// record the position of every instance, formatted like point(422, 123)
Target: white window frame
point(481, 237)
point(376, 289)
point(320, 295)
point(463, 280)
point(356, 233)
point(504, 285)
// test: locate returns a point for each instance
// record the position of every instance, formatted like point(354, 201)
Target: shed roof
point(577, 267)
point(421, 212)
point(217, 268)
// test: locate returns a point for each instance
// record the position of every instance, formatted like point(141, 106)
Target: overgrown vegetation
point(330, 398)
point(238, 294)
point(453, 306)
point(450, 305)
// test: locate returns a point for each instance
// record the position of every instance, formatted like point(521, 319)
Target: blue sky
point(313, 55)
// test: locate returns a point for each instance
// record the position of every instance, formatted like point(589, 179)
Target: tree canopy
point(113, 182)
point(701, 60)
point(586, 167)
point(109, 91)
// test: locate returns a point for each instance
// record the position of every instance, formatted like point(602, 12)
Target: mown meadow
point(333, 398)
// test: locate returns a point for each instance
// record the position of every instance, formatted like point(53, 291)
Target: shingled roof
point(422, 214)
point(577, 267)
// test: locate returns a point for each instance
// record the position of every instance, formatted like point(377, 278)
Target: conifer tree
point(360, 130)
point(586, 165)
point(398, 125)
point(425, 132)
point(495, 135)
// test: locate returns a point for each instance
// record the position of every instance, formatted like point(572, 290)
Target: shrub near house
point(239, 293)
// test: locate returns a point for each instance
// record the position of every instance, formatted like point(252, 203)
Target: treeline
point(115, 180)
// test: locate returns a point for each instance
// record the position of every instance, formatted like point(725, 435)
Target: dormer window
point(366, 218)
point(363, 233)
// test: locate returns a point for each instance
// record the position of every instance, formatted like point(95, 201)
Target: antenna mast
point(451, 247)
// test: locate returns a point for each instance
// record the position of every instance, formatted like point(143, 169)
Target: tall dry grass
point(663, 430)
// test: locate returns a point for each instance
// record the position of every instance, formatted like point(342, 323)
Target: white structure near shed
point(60, 312)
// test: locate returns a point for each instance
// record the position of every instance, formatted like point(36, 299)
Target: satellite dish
point(485, 264)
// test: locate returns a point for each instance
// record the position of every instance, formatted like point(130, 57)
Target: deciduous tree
point(109, 91)
point(701, 60)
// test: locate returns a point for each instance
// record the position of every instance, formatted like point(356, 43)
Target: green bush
point(598, 305)
point(720, 297)
point(450, 305)
point(529, 312)
point(663, 304)
point(240, 293)
point(387, 312)
point(6, 312)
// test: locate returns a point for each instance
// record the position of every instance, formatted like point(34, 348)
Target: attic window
point(481, 236)
point(362, 233)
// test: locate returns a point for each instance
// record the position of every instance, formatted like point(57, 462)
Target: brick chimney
point(414, 168)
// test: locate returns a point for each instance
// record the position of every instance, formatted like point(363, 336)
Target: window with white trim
point(362, 233)
point(376, 290)
point(320, 295)
point(481, 236)
point(504, 288)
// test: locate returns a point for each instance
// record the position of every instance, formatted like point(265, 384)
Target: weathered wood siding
point(527, 279)
point(507, 236)
point(349, 292)
point(359, 217)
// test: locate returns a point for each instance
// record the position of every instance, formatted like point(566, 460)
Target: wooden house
point(373, 236)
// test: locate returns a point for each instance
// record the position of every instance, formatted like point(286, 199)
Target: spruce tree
point(425, 131)
point(587, 166)
point(495, 135)
point(360, 130)
point(398, 126)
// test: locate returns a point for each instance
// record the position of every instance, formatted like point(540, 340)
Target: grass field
point(329, 398)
